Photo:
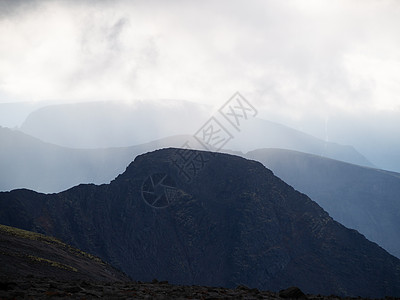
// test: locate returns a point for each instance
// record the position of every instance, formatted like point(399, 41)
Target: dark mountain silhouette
point(24, 253)
point(27, 162)
point(111, 124)
point(229, 221)
point(362, 198)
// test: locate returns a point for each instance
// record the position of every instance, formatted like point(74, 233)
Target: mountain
point(116, 124)
point(365, 199)
point(24, 253)
point(27, 162)
point(193, 217)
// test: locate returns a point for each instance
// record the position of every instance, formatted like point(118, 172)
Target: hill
point(24, 253)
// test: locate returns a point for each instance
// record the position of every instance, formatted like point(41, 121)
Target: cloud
point(289, 56)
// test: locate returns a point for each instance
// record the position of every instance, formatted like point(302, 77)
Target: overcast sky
point(294, 60)
point(343, 54)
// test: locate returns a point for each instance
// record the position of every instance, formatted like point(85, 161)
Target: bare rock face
point(203, 218)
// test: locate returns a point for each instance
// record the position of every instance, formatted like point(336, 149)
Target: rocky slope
point(213, 219)
point(365, 199)
point(24, 253)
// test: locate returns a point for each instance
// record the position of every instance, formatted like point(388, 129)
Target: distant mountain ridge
point(234, 223)
point(113, 124)
point(266, 134)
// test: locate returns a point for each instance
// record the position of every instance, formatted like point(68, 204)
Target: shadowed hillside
point(24, 253)
point(362, 198)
